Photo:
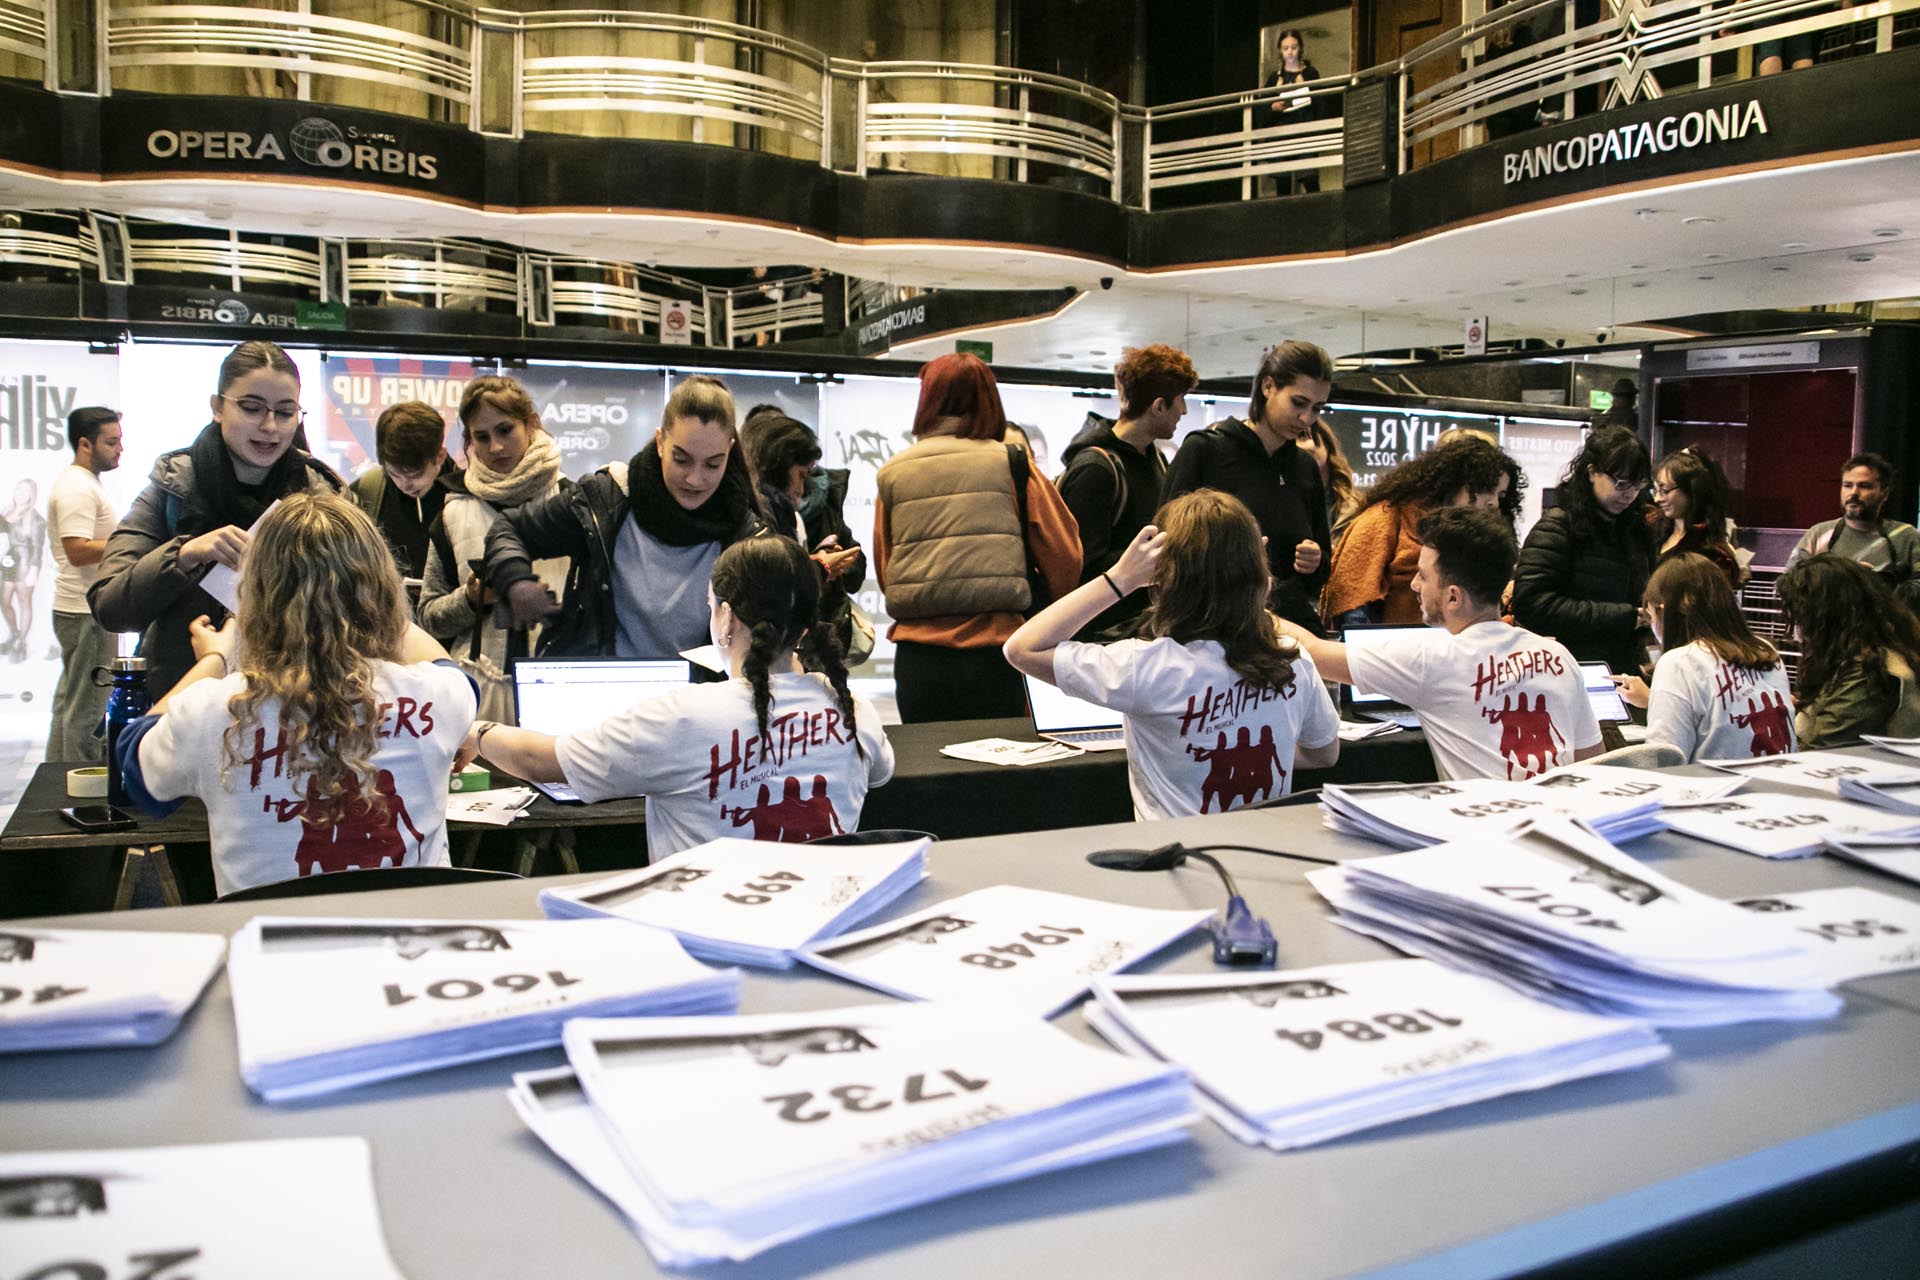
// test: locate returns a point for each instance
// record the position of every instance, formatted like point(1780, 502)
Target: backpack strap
point(1017, 464)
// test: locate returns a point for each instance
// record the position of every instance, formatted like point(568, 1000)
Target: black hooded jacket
point(1113, 489)
point(1283, 491)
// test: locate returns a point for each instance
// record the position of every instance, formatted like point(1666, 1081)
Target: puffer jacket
point(142, 587)
point(1584, 587)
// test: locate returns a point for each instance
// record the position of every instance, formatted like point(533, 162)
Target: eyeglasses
point(1628, 486)
point(257, 410)
point(1662, 490)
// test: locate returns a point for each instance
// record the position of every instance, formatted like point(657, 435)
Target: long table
point(46, 866)
point(1749, 1137)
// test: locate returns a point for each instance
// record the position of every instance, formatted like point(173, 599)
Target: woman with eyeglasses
point(1690, 512)
point(198, 506)
point(1583, 571)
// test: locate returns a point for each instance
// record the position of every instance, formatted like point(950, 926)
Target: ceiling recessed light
point(1511, 284)
point(1703, 277)
point(1644, 214)
point(1638, 284)
point(1887, 233)
point(1713, 257)
point(1859, 257)
point(1794, 244)
point(1578, 293)
point(1636, 266)
point(1698, 220)
point(1782, 268)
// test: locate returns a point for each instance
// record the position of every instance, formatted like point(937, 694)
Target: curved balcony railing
point(232, 260)
point(1244, 138)
point(47, 244)
point(1525, 64)
point(614, 295)
point(26, 40)
point(601, 65)
point(448, 274)
point(1025, 118)
point(615, 73)
point(426, 49)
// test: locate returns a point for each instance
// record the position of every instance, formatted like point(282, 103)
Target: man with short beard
point(1890, 548)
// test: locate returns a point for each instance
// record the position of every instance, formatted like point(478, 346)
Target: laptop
point(1378, 706)
point(1060, 717)
point(567, 695)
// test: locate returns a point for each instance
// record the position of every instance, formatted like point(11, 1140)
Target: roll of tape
point(89, 784)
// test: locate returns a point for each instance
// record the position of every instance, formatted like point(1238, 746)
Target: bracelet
point(1118, 594)
point(226, 668)
point(480, 734)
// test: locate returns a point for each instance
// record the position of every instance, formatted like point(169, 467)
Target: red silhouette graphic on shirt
point(1527, 735)
point(351, 833)
point(1771, 724)
point(793, 819)
point(1236, 774)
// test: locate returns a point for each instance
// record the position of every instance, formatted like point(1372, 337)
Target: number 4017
point(467, 989)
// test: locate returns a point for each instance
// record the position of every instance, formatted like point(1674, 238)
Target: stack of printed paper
point(326, 1004)
point(1557, 912)
point(723, 1137)
point(1779, 824)
point(99, 988)
point(1833, 772)
point(1897, 856)
point(1010, 751)
point(1007, 946)
point(1905, 746)
point(1413, 815)
point(1653, 786)
point(297, 1209)
point(1290, 1059)
point(751, 901)
point(1856, 932)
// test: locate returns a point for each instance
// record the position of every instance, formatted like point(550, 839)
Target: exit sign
point(968, 347)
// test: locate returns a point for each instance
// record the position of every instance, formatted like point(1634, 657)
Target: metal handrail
point(293, 42)
point(1264, 144)
point(25, 30)
point(238, 260)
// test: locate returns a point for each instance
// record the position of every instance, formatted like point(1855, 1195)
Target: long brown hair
point(1845, 613)
point(320, 604)
point(1697, 606)
point(1212, 583)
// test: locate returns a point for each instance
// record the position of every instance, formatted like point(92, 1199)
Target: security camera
point(1603, 335)
point(1106, 282)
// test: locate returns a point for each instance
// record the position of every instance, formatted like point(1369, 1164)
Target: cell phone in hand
point(98, 817)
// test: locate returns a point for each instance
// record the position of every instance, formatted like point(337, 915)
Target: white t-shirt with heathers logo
point(1496, 701)
point(1714, 710)
point(700, 760)
point(1200, 739)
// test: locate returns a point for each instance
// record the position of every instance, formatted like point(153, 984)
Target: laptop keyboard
point(1089, 737)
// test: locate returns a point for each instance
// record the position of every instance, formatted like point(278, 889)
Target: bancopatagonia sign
point(911, 316)
point(315, 141)
point(1678, 132)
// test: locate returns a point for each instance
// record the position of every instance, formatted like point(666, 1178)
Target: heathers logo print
point(1248, 769)
point(751, 764)
point(352, 833)
point(1770, 721)
point(315, 141)
point(1528, 738)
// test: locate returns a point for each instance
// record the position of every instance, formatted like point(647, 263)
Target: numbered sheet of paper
point(301, 1209)
point(1306, 1055)
point(1820, 770)
point(96, 988)
point(1410, 815)
point(852, 1112)
point(751, 901)
point(350, 1000)
point(1855, 932)
point(1773, 824)
point(1897, 856)
point(1007, 946)
point(1647, 785)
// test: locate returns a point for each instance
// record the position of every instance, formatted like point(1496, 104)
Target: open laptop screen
point(1056, 712)
point(1602, 693)
point(567, 695)
point(1367, 638)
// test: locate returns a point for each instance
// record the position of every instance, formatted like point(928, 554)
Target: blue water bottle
point(127, 702)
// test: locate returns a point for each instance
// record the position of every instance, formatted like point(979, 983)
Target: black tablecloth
point(47, 867)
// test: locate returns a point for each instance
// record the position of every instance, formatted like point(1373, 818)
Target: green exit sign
point(968, 347)
point(321, 315)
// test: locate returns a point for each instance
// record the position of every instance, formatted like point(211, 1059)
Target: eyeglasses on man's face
point(253, 409)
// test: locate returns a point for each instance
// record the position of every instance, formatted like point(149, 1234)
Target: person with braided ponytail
point(774, 753)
